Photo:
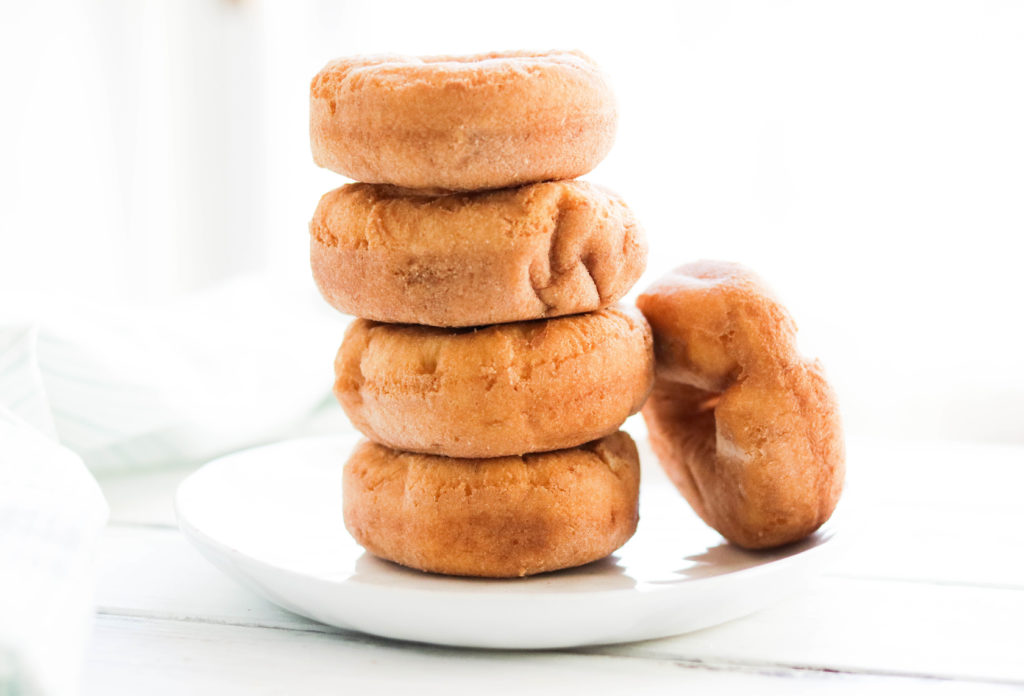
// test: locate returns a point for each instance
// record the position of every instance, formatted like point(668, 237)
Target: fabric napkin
point(86, 386)
point(130, 387)
point(51, 513)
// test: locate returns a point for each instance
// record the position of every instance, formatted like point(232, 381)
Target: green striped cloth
point(85, 387)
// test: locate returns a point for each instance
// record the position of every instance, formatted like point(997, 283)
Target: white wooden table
point(927, 594)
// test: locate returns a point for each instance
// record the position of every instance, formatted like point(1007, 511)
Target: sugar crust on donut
point(461, 122)
point(518, 254)
point(506, 389)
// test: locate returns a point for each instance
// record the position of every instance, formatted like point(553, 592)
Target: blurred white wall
point(866, 158)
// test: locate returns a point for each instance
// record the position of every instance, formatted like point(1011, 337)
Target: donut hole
point(694, 432)
point(709, 403)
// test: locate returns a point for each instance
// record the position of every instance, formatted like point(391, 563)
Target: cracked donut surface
point(500, 517)
point(747, 428)
point(461, 122)
point(536, 251)
point(499, 390)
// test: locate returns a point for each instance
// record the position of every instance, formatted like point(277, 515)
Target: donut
point(500, 517)
point(461, 122)
point(500, 390)
point(747, 429)
point(537, 251)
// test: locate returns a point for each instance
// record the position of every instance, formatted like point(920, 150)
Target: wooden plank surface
point(927, 593)
point(941, 512)
point(854, 625)
point(155, 657)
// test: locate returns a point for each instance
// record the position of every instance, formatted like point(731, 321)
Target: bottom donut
point(499, 518)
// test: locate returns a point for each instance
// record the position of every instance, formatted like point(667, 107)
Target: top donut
point(461, 123)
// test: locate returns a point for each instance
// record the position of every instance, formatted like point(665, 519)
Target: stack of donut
point(489, 365)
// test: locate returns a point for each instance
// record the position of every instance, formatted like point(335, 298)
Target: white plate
point(271, 518)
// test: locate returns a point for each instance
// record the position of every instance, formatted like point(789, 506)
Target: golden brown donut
point(501, 517)
point(745, 427)
point(461, 122)
point(500, 390)
point(537, 251)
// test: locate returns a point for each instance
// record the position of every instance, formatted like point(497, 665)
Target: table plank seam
point(924, 581)
point(126, 524)
point(766, 668)
point(299, 624)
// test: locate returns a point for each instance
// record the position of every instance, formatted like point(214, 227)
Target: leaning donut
point(745, 427)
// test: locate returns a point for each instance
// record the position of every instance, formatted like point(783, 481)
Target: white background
point(867, 158)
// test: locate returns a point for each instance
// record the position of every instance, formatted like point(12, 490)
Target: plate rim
point(194, 534)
